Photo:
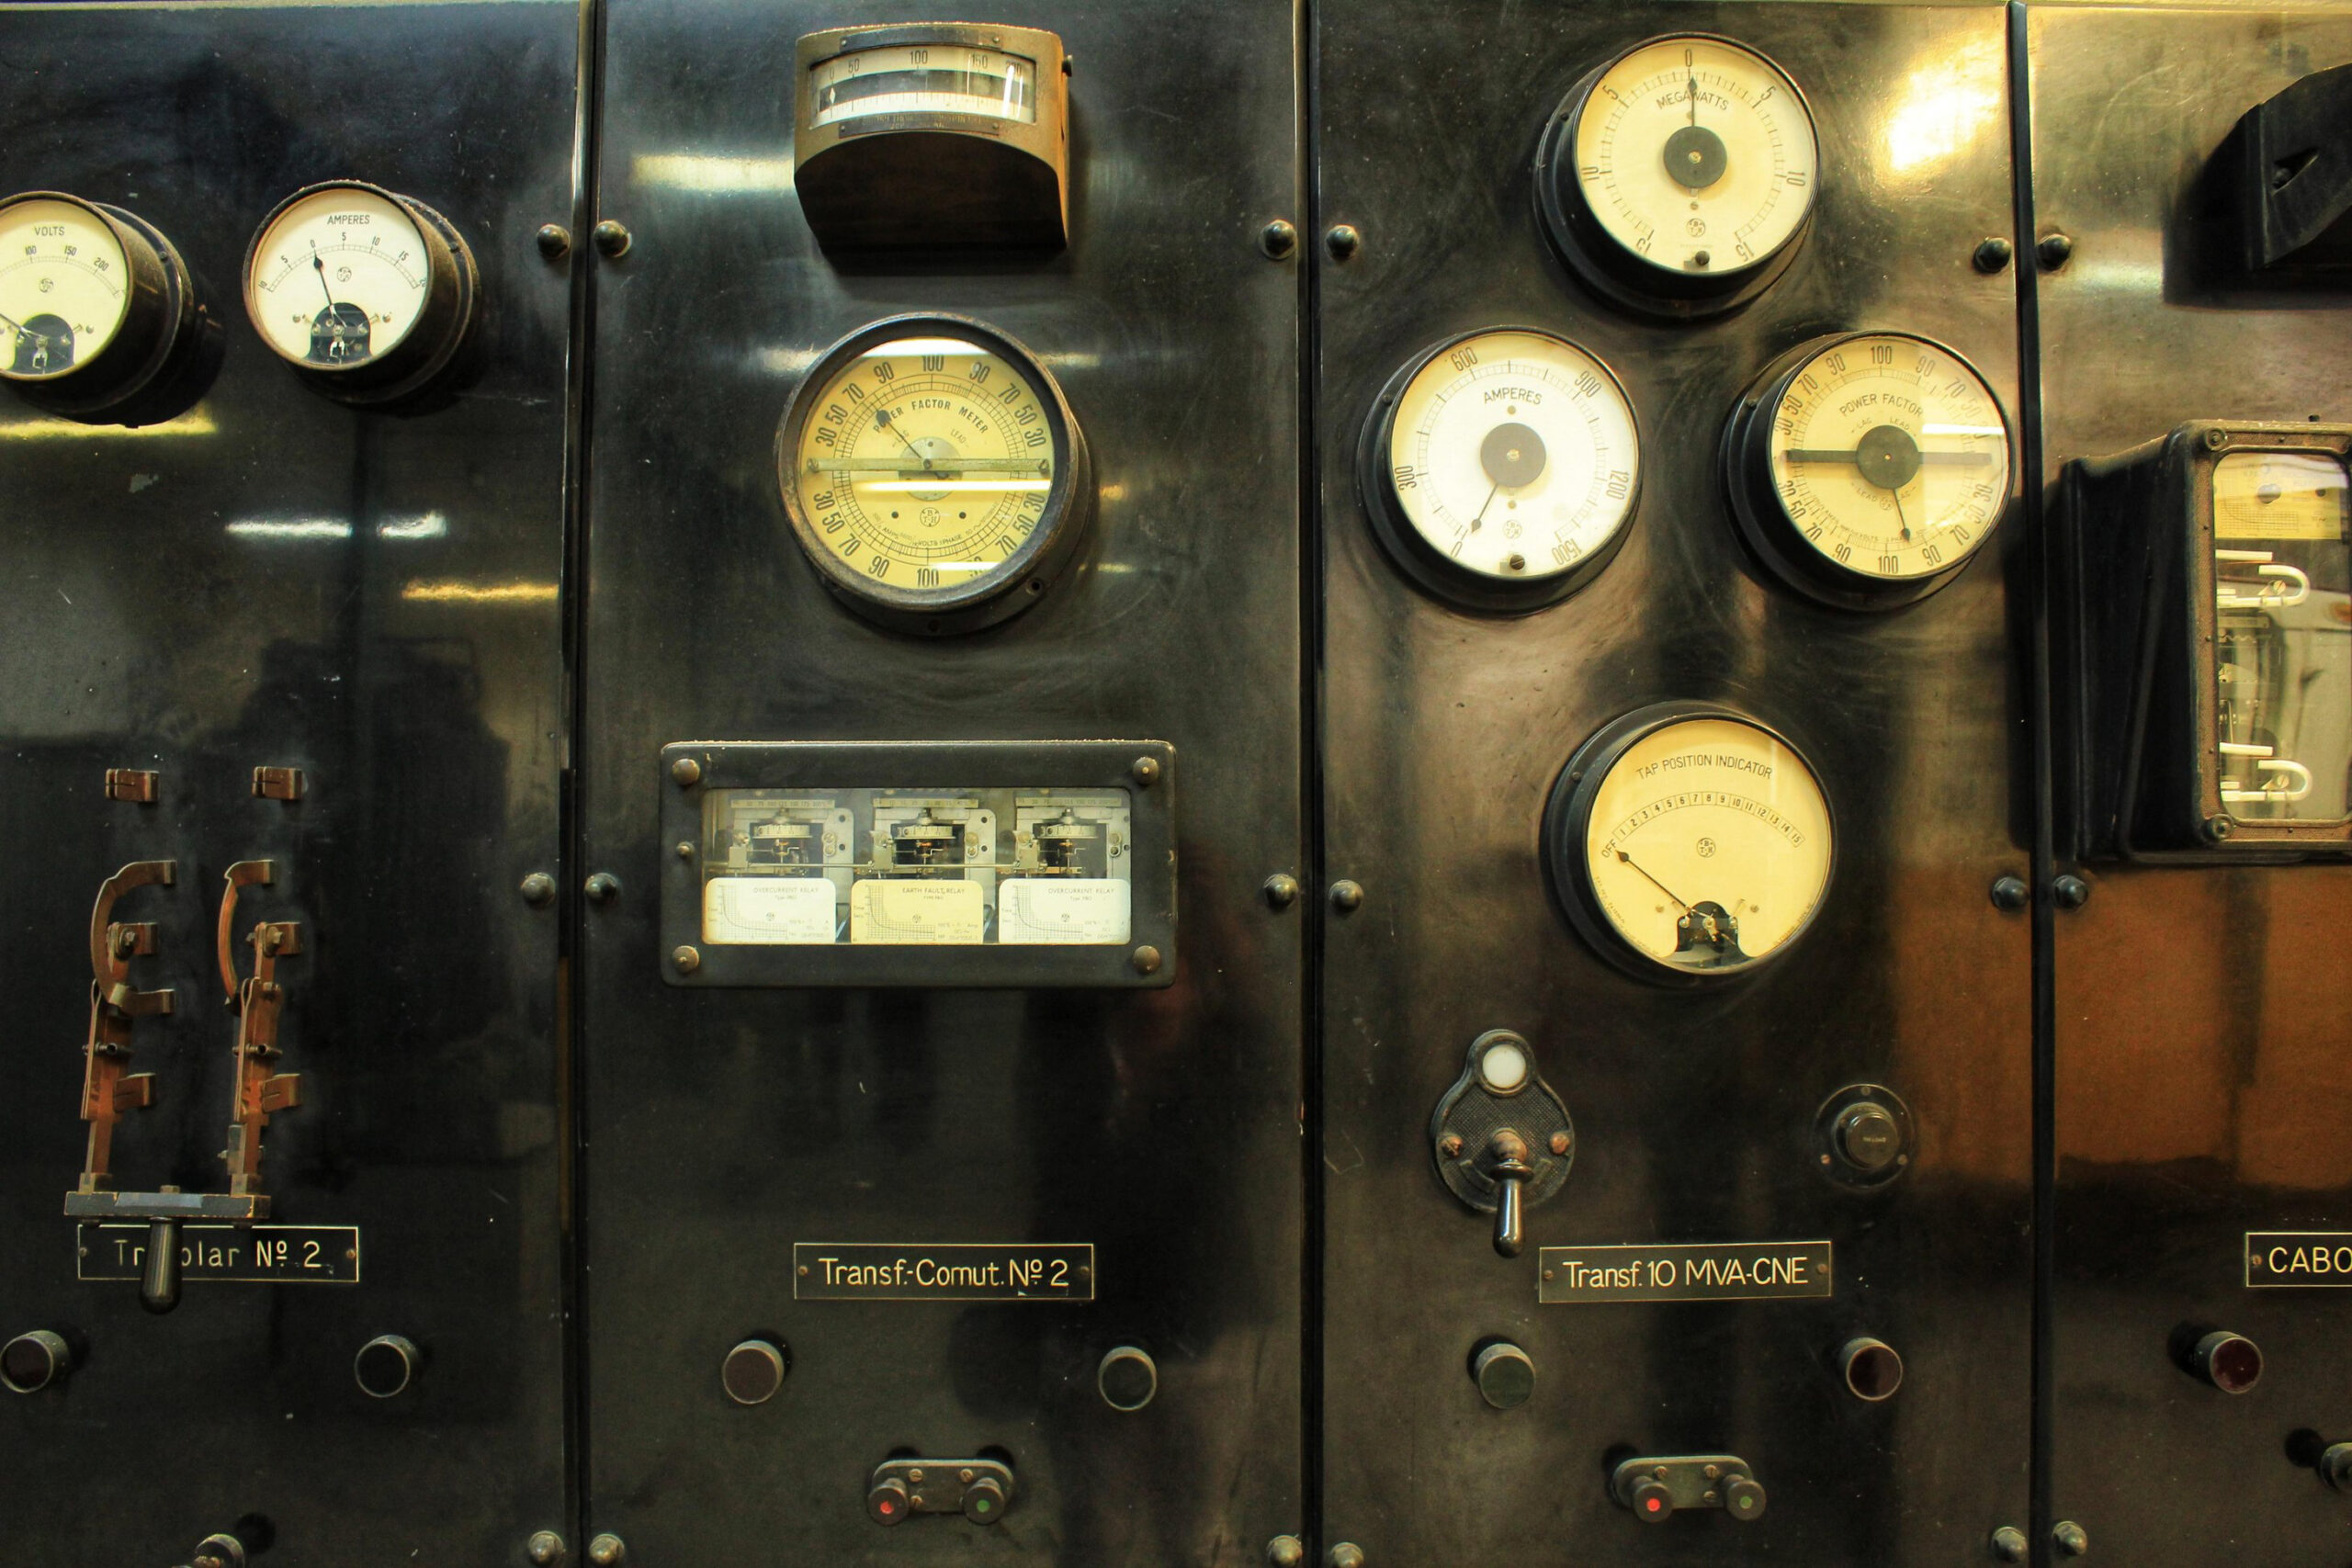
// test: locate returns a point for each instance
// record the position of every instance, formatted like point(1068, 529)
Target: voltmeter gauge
point(933, 473)
point(1678, 177)
point(95, 306)
point(1501, 468)
point(1689, 843)
point(369, 293)
point(1865, 470)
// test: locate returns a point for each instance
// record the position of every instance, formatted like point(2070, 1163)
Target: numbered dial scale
point(1501, 468)
point(1866, 470)
point(933, 473)
point(95, 306)
point(1678, 177)
point(367, 292)
point(1689, 843)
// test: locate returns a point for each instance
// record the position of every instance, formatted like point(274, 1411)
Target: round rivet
point(602, 888)
point(2009, 1544)
point(554, 240)
point(685, 849)
point(605, 1550)
point(385, 1365)
point(1145, 770)
point(1278, 238)
point(1559, 1144)
point(612, 240)
point(539, 890)
point(30, 1363)
point(1285, 1551)
point(1281, 890)
point(1146, 959)
point(1347, 1554)
point(686, 772)
point(546, 1548)
point(2052, 252)
point(687, 959)
point(2010, 893)
point(753, 1371)
point(2216, 439)
point(1127, 1377)
point(2072, 892)
point(1347, 896)
point(2070, 1538)
point(2218, 827)
point(1343, 243)
point(1993, 255)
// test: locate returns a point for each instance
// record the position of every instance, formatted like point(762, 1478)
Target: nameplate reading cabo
point(1701, 1272)
point(242, 1255)
point(863, 1271)
point(2298, 1257)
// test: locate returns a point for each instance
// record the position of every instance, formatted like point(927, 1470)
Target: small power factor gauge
point(96, 308)
point(1689, 843)
point(368, 294)
point(934, 474)
point(1502, 469)
point(933, 136)
point(1865, 470)
point(1677, 179)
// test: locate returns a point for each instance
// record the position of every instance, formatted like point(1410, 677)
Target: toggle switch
point(31, 1362)
point(1502, 1137)
point(1655, 1487)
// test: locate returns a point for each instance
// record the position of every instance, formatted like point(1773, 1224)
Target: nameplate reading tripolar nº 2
point(236, 1255)
point(1698, 1271)
point(888, 1271)
point(2298, 1257)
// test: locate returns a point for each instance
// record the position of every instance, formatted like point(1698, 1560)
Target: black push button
point(385, 1365)
point(1128, 1378)
point(2231, 1362)
point(1650, 1498)
point(1873, 1371)
point(984, 1500)
point(2335, 1466)
point(30, 1363)
point(1505, 1375)
point(1743, 1497)
point(753, 1371)
point(1868, 1138)
point(886, 1502)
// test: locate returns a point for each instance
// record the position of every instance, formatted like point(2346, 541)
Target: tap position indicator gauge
point(1689, 843)
point(95, 306)
point(1866, 470)
point(1678, 177)
point(1502, 469)
point(367, 292)
point(933, 473)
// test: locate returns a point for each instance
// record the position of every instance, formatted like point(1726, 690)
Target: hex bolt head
point(602, 888)
point(1347, 896)
point(539, 890)
point(1280, 890)
point(1343, 241)
point(545, 1549)
point(611, 238)
point(1993, 254)
point(2010, 893)
point(2070, 891)
point(554, 241)
point(2009, 1544)
point(1347, 1554)
point(686, 772)
point(1285, 1551)
point(687, 959)
point(607, 1549)
point(2053, 250)
point(2069, 1538)
point(1145, 770)
point(1146, 959)
point(1277, 240)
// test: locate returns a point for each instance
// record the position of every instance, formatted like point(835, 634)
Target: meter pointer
point(1653, 881)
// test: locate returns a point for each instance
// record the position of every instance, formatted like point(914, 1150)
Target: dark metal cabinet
point(2202, 1042)
point(724, 1126)
point(1445, 731)
point(274, 579)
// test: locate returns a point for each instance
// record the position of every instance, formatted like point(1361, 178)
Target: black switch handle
point(159, 1276)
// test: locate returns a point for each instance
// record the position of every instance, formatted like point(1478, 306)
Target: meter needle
point(1653, 881)
point(20, 329)
point(882, 422)
point(1895, 495)
point(320, 263)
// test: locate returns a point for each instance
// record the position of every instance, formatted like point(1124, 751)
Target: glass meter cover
point(933, 473)
point(369, 293)
point(1678, 177)
point(1867, 469)
point(1502, 469)
point(1689, 843)
point(95, 306)
point(923, 79)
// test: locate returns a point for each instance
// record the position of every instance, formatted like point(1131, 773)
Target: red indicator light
point(1653, 1504)
point(889, 1507)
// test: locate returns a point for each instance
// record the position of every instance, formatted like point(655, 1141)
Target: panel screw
point(546, 1548)
point(1145, 960)
point(2072, 892)
point(539, 890)
point(1281, 890)
point(2052, 252)
point(685, 849)
point(1450, 1145)
point(2009, 1544)
point(1993, 255)
point(1145, 770)
point(1285, 1551)
point(1346, 896)
point(1559, 1142)
point(2216, 439)
point(1276, 241)
point(2070, 1538)
point(604, 888)
point(686, 772)
point(2218, 827)
point(1347, 1554)
point(687, 959)
point(554, 240)
point(1342, 241)
point(2010, 893)
point(612, 239)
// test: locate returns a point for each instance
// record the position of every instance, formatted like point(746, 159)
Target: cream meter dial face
point(1506, 468)
point(928, 466)
point(924, 79)
point(1691, 842)
point(64, 288)
point(338, 278)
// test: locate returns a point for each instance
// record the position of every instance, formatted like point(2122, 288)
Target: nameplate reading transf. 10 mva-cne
point(238, 1255)
point(2298, 1257)
point(1696, 1271)
point(888, 1271)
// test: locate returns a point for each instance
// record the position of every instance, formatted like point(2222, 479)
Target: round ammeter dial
point(1867, 469)
point(95, 306)
point(1688, 842)
point(1502, 469)
point(1679, 176)
point(368, 292)
point(933, 473)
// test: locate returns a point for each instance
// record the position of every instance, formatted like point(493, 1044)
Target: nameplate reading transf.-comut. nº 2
point(1697, 1271)
point(886, 1271)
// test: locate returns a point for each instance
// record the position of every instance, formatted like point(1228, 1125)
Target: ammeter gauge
point(1501, 468)
point(1688, 842)
point(95, 306)
point(933, 473)
point(369, 294)
point(1678, 177)
point(1866, 469)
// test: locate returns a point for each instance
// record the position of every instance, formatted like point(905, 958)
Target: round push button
point(887, 1504)
point(1873, 1371)
point(1649, 1498)
point(385, 1365)
point(1505, 1375)
point(1744, 1499)
point(984, 1500)
point(1128, 1378)
point(1868, 1138)
point(2231, 1362)
point(753, 1371)
point(30, 1363)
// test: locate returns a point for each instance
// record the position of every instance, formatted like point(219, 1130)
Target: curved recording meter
point(933, 136)
point(369, 293)
point(1689, 843)
point(1501, 468)
point(934, 474)
point(1867, 469)
point(96, 308)
point(1678, 177)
